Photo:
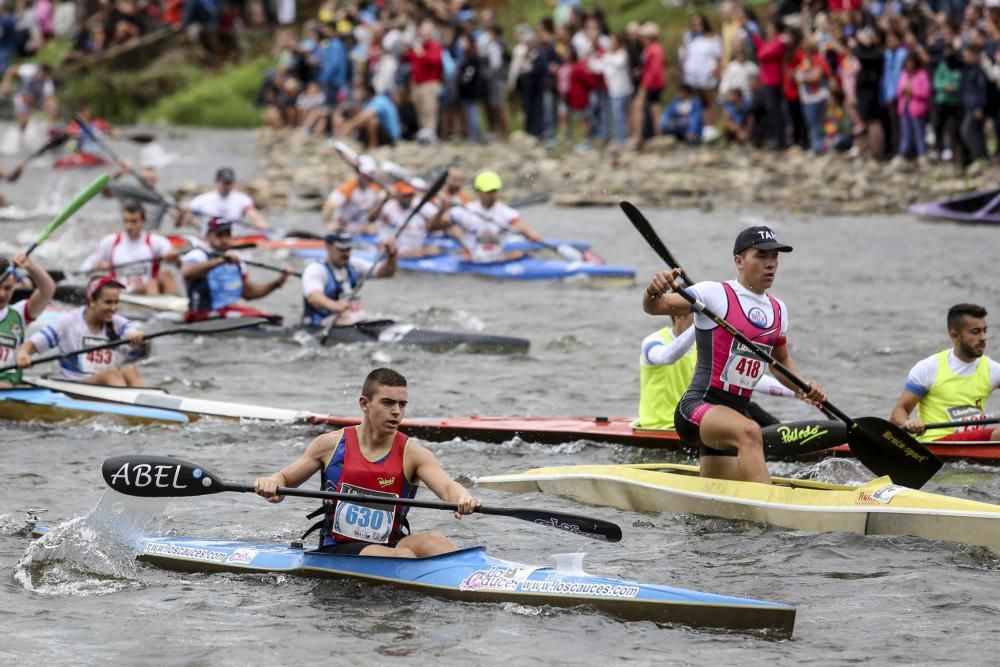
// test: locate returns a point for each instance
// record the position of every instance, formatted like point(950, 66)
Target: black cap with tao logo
point(760, 237)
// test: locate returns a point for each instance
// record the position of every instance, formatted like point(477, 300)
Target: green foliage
point(223, 100)
point(120, 96)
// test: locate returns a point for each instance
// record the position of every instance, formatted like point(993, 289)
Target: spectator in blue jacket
point(684, 117)
point(331, 65)
point(892, 68)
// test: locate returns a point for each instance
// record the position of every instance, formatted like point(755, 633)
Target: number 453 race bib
point(365, 523)
point(743, 368)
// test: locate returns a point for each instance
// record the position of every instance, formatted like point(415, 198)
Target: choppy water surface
point(867, 298)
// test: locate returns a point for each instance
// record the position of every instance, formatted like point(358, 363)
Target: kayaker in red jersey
point(712, 414)
point(952, 385)
point(373, 458)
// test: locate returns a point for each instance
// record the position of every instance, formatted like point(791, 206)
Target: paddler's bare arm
point(422, 465)
point(45, 288)
point(658, 298)
point(304, 467)
point(196, 270)
point(900, 415)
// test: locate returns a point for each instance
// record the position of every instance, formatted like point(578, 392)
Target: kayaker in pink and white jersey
point(134, 256)
point(712, 413)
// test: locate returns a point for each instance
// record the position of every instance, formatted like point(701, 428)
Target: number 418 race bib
point(743, 368)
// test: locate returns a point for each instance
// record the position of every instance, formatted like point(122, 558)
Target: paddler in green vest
point(952, 385)
point(16, 317)
point(666, 366)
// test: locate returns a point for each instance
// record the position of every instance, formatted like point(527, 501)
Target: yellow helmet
point(487, 181)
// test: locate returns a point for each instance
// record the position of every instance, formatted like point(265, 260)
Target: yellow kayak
point(876, 508)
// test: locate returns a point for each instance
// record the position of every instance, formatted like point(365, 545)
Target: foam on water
point(90, 555)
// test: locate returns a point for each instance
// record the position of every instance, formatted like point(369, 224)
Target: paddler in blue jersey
point(16, 317)
point(666, 367)
point(217, 280)
point(952, 385)
point(373, 458)
point(328, 287)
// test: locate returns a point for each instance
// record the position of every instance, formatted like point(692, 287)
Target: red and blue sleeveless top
point(350, 472)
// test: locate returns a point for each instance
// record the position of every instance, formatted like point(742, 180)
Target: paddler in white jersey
point(712, 414)
point(94, 324)
point(391, 214)
point(666, 366)
point(16, 317)
point(328, 287)
point(952, 385)
point(348, 206)
point(453, 193)
point(483, 224)
point(226, 203)
point(373, 458)
point(134, 256)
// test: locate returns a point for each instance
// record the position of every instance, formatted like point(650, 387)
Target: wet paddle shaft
point(880, 445)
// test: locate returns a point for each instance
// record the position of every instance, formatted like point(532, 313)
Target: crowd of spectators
point(882, 79)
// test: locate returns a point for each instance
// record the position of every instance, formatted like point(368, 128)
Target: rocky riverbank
point(300, 170)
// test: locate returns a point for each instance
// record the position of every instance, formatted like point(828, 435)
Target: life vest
point(11, 337)
point(954, 397)
point(661, 387)
point(220, 287)
point(350, 472)
point(313, 316)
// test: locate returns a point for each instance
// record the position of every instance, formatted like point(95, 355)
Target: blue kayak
point(52, 406)
point(526, 268)
point(472, 575)
point(513, 244)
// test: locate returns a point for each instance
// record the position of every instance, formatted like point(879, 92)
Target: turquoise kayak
point(52, 406)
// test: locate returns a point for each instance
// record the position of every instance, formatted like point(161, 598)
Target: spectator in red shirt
point(647, 105)
point(425, 63)
point(771, 58)
point(577, 94)
point(796, 54)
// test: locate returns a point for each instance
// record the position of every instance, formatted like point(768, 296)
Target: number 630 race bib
point(743, 368)
point(365, 523)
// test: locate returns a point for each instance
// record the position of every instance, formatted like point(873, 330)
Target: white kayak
point(153, 397)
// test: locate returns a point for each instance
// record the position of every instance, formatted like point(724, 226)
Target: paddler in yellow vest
point(953, 384)
point(666, 367)
point(16, 317)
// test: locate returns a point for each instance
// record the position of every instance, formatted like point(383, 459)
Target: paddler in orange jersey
point(952, 385)
point(16, 317)
point(482, 225)
point(348, 206)
point(373, 458)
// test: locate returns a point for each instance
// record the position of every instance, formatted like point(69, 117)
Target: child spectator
point(684, 117)
point(914, 92)
point(736, 113)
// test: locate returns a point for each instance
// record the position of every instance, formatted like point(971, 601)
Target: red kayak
point(78, 161)
point(619, 431)
point(259, 241)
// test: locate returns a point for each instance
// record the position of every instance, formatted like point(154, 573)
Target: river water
point(866, 296)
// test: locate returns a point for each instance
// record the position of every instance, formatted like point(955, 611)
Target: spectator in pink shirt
point(652, 81)
point(426, 71)
point(914, 91)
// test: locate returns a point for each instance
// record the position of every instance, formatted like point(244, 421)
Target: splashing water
point(93, 554)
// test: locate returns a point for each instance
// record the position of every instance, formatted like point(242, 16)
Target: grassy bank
point(221, 100)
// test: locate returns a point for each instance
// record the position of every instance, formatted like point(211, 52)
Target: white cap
point(367, 165)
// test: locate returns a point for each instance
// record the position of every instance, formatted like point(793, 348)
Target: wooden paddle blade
point(571, 523)
point(794, 439)
point(158, 477)
point(222, 324)
point(886, 449)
